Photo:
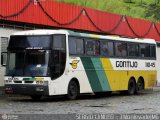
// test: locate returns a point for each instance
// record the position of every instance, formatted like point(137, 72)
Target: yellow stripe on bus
point(107, 66)
point(118, 79)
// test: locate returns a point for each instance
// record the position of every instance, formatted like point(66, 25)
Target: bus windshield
point(30, 42)
point(30, 55)
point(28, 63)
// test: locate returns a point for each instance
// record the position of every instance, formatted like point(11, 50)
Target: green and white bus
point(63, 62)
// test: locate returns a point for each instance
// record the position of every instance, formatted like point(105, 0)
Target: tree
point(157, 1)
point(129, 1)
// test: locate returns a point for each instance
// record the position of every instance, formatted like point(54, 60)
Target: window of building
point(4, 44)
point(107, 48)
point(120, 49)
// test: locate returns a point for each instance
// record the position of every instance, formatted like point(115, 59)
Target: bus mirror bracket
point(3, 58)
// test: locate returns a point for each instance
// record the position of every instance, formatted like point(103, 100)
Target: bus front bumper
point(23, 89)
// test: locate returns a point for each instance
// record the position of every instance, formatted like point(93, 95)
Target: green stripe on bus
point(101, 74)
point(91, 74)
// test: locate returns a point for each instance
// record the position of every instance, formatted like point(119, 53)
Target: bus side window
point(153, 51)
point(59, 42)
point(120, 49)
point(72, 46)
point(147, 50)
point(92, 47)
point(133, 50)
point(144, 50)
point(104, 48)
point(76, 46)
point(107, 48)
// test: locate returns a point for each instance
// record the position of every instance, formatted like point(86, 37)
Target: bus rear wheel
point(73, 90)
point(140, 85)
point(131, 87)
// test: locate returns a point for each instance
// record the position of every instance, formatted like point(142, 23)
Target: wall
point(4, 32)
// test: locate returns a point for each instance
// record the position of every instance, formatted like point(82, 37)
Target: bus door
point(58, 56)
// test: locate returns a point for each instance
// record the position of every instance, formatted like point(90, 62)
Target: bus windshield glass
point(28, 63)
point(30, 42)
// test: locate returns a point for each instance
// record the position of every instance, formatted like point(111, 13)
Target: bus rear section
point(104, 64)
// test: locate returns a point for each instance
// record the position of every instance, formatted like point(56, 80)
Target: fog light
point(39, 89)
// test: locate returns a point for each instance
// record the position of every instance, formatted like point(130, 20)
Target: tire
point(36, 97)
point(73, 90)
point(139, 86)
point(131, 87)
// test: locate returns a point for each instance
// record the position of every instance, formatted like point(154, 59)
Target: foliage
point(144, 9)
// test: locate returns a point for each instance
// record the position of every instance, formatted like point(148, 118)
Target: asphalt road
point(145, 102)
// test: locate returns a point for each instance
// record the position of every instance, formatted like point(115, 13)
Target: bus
point(64, 62)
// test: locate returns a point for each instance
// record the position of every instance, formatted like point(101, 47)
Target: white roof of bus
point(41, 32)
point(48, 32)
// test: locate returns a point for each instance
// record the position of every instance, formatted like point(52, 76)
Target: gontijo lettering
point(131, 64)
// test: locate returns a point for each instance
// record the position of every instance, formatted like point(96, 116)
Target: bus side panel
point(149, 77)
point(147, 70)
point(117, 79)
point(96, 74)
point(74, 70)
point(77, 70)
point(102, 76)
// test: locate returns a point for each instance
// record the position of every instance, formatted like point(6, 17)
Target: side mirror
point(3, 58)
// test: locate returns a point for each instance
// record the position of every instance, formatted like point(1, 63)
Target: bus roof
point(72, 33)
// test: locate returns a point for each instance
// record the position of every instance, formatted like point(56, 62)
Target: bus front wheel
point(131, 86)
point(73, 90)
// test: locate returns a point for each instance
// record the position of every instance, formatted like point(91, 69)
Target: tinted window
point(76, 46)
point(120, 49)
point(144, 50)
point(92, 47)
point(107, 48)
point(133, 50)
point(22, 42)
point(59, 42)
point(153, 51)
